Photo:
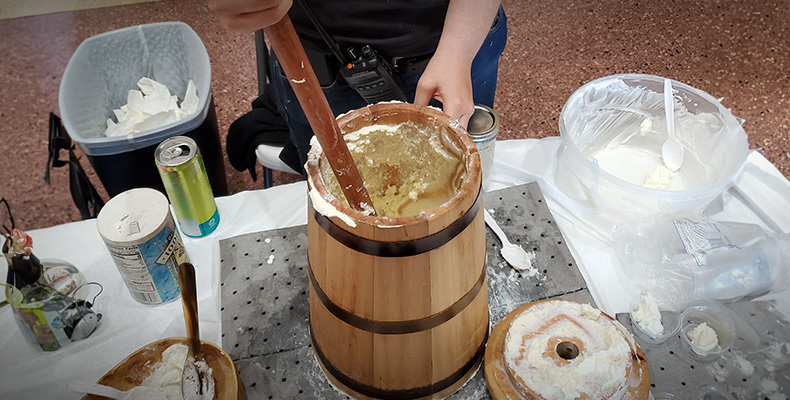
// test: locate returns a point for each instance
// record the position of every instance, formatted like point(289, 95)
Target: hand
point(249, 15)
point(448, 80)
point(448, 76)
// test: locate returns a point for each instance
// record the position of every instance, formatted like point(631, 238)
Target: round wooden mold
point(498, 379)
point(137, 366)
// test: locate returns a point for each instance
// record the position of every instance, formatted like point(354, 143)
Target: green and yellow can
point(186, 182)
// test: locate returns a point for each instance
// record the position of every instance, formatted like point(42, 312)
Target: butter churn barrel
point(399, 298)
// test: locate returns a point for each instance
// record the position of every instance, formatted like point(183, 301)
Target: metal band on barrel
point(397, 327)
point(401, 394)
point(401, 248)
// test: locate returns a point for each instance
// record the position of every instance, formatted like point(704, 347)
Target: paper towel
point(151, 107)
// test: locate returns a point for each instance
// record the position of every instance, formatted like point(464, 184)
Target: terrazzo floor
point(738, 51)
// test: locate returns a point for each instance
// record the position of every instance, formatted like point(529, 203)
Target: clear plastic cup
point(716, 318)
point(670, 321)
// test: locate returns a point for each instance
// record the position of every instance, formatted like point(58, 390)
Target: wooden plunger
point(299, 72)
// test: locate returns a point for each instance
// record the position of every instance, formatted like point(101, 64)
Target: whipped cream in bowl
point(653, 322)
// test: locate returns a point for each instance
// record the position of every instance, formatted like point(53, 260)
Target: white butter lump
point(703, 337)
point(646, 126)
point(647, 314)
point(151, 107)
point(659, 178)
point(164, 383)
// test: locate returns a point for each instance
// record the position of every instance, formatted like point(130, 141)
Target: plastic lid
point(133, 216)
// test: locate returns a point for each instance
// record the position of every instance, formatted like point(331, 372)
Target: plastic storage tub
point(97, 80)
point(626, 112)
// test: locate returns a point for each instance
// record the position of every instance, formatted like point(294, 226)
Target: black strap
point(83, 193)
point(330, 42)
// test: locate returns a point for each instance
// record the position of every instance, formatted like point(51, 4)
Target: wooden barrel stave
point(408, 319)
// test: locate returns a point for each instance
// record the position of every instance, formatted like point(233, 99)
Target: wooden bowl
point(136, 367)
point(501, 386)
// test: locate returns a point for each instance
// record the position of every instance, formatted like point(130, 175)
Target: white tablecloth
point(759, 195)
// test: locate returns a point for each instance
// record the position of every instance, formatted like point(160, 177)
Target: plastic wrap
point(681, 260)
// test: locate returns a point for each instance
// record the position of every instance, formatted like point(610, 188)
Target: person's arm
point(249, 15)
point(448, 76)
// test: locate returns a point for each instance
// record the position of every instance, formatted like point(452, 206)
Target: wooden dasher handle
point(186, 282)
point(299, 72)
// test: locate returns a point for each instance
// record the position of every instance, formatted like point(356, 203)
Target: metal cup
point(483, 127)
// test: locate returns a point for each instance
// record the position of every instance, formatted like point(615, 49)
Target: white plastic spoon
point(515, 255)
point(95, 388)
point(672, 150)
point(108, 391)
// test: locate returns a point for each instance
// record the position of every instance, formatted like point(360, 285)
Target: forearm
point(249, 15)
point(465, 28)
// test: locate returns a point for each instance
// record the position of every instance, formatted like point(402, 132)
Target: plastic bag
point(681, 260)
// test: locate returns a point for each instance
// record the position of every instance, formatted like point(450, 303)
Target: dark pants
point(342, 98)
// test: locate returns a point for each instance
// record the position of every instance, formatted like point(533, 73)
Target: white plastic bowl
point(610, 148)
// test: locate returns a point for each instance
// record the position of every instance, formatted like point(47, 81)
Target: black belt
point(326, 66)
point(403, 64)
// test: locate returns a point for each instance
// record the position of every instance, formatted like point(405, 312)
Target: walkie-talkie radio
point(364, 70)
point(370, 75)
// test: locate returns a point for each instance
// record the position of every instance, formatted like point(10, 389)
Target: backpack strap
point(83, 193)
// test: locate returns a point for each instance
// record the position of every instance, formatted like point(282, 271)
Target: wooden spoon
point(197, 382)
point(299, 72)
point(139, 365)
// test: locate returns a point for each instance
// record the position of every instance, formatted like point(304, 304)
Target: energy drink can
point(144, 243)
point(186, 182)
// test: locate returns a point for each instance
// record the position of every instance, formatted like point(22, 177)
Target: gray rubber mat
point(265, 295)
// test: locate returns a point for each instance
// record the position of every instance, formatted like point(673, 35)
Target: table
point(760, 195)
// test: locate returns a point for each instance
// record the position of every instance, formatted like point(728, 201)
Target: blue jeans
point(342, 98)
